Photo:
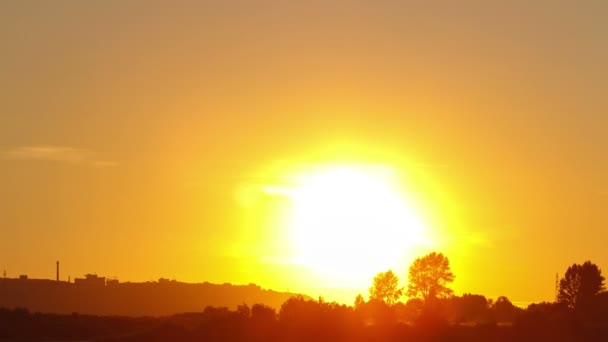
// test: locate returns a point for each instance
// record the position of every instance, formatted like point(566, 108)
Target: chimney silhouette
point(57, 270)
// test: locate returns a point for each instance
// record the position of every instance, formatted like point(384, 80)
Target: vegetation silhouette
point(504, 311)
point(580, 285)
point(386, 288)
point(435, 316)
point(429, 276)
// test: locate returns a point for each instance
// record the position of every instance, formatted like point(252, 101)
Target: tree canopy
point(580, 285)
point(429, 277)
point(359, 300)
point(385, 288)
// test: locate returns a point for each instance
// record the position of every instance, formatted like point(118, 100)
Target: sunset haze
point(149, 139)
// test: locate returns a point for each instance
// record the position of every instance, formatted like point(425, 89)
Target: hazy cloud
point(501, 235)
point(429, 165)
point(479, 239)
point(103, 163)
point(56, 154)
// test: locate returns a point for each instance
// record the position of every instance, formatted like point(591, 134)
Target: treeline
point(459, 318)
point(431, 313)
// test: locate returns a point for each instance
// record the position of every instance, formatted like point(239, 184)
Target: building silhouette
point(90, 280)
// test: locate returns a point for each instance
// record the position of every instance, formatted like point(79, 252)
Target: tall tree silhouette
point(580, 285)
point(385, 288)
point(359, 301)
point(429, 277)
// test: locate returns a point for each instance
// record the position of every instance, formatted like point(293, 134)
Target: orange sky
point(129, 131)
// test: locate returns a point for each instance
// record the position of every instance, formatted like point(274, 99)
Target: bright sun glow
point(350, 222)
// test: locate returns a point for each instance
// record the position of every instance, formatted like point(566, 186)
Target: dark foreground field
point(306, 320)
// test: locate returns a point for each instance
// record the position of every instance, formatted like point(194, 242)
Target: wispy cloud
point(52, 153)
point(480, 240)
point(492, 236)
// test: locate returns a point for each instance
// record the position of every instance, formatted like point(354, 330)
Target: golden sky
point(140, 139)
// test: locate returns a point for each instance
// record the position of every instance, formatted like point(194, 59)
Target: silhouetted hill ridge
point(96, 297)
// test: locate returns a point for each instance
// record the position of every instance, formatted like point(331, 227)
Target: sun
point(349, 222)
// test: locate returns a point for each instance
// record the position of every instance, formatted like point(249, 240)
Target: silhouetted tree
point(309, 320)
point(470, 308)
point(410, 311)
point(359, 301)
point(263, 313)
point(429, 276)
point(504, 310)
point(580, 285)
point(243, 311)
point(378, 313)
point(385, 288)
point(300, 313)
point(263, 321)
